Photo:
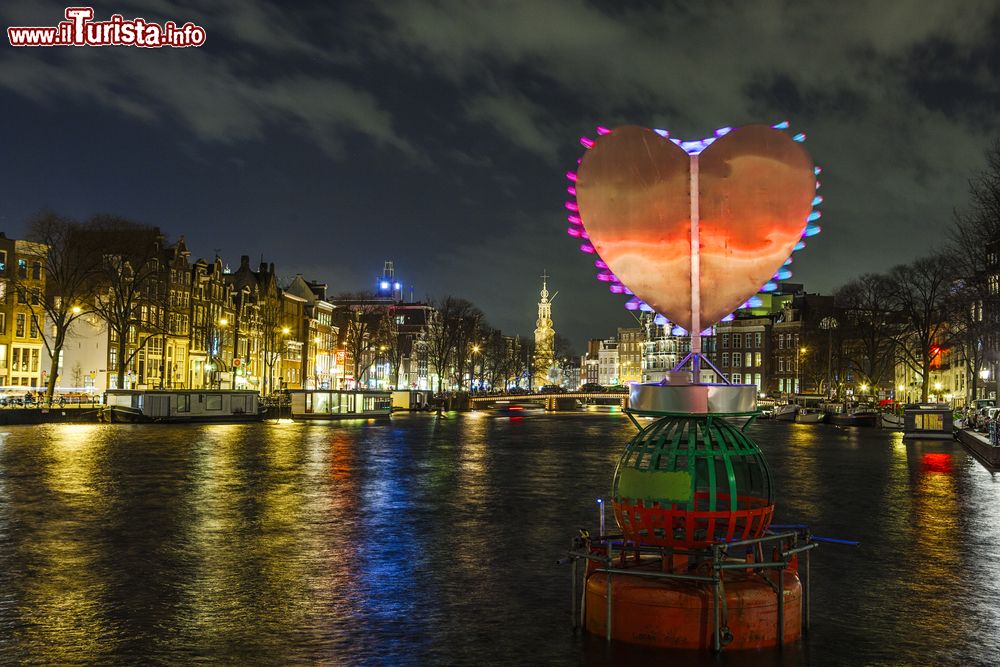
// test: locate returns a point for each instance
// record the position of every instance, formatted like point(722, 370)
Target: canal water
point(434, 541)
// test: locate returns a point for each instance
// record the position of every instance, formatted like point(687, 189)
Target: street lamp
point(472, 370)
point(75, 310)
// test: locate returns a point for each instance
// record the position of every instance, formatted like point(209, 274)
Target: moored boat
point(891, 420)
point(135, 406)
point(857, 417)
point(810, 416)
point(785, 412)
point(332, 404)
point(928, 421)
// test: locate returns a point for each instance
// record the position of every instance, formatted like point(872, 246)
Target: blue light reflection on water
point(426, 541)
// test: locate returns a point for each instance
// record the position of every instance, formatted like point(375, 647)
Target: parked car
point(592, 388)
point(517, 391)
point(551, 389)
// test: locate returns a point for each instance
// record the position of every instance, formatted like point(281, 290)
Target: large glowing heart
point(755, 192)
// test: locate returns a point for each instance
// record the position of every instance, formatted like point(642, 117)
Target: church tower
point(544, 338)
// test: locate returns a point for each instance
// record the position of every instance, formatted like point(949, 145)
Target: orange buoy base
point(680, 614)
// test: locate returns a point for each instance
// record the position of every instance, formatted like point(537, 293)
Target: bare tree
point(975, 240)
point(390, 343)
point(127, 282)
point(270, 323)
point(468, 324)
point(494, 358)
point(447, 335)
point(359, 321)
point(70, 266)
point(868, 328)
point(920, 293)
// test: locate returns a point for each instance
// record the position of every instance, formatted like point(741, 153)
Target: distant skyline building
point(545, 334)
point(387, 286)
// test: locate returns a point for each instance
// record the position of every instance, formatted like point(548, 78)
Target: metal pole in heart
point(695, 276)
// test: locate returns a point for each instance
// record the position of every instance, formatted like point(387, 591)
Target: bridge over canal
point(566, 401)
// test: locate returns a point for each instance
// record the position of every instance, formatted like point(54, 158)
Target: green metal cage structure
point(689, 481)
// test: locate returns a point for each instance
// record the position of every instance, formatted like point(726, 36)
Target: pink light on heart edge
point(730, 243)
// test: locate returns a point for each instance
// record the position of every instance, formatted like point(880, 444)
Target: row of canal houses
point(204, 326)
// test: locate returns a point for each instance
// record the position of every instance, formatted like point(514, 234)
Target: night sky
point(333, 136)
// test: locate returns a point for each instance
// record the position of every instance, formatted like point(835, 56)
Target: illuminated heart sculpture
point(756, 189)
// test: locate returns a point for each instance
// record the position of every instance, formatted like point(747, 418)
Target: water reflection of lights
point(936, 463)
point(936, 512)
point(62, 609)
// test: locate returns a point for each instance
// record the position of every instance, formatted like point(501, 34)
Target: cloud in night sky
point(436, 133)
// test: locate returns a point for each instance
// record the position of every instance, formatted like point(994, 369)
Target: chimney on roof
point(245, 262)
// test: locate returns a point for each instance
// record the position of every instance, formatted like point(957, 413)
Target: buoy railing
point(784, 546)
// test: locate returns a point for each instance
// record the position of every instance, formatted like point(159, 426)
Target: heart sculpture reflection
point(755, 189)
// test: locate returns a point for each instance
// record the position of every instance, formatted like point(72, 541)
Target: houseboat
point(928, 421)
point(333, 404)
point(180, 406)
